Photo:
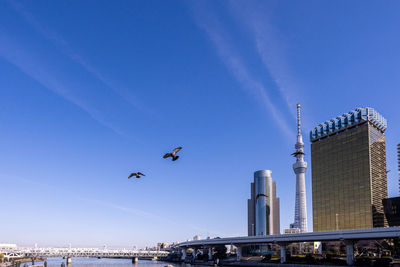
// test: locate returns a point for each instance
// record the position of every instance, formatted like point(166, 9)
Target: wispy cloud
point(232, 60)
point(65, 47)
point(271, 48)
point(32, 65)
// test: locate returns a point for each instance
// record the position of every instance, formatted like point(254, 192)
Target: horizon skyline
point(147, 245)
point(89, 97)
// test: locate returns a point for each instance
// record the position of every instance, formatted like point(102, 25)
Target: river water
point(94, 262)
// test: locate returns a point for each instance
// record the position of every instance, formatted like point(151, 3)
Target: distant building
point(196, 237)
point(292, 231)
point(391, 207)
point(348, 157)
point(263, 206)
point(251, 212)
point(276, 211)
point(162, 245)
point(7, 246)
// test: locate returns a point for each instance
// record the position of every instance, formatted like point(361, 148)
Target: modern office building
point(251, 212)
point(276, 216)
point(300, 167)
point(348, 157)
point(391, 207)
point(263, 206)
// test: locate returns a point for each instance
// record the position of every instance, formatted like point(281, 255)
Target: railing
point(66, 252)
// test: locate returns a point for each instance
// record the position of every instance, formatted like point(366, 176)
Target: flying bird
point(173, 154)
point(137, 174)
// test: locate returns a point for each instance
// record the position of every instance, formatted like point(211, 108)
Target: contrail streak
point(216, 33)
point(271, 49)
point(63, 45)
point(34, 68)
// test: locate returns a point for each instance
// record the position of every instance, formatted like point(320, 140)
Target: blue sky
point(92, 90)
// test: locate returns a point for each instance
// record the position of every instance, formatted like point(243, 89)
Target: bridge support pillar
point(194, 254)
point(183, 254)
point(69, 260)
point(238, 253)
point(349, 252)
point(283, 253)
point(210, 253)
point(135, 260)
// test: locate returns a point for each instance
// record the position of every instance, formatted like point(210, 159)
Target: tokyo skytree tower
point(300, 167)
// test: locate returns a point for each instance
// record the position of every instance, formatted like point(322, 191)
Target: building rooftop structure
point(348, 120)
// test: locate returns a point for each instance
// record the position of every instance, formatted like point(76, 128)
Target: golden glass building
point(348, 158)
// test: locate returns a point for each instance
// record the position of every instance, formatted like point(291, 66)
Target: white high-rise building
point(300, 167)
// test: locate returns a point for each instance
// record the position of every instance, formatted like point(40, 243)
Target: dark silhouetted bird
point(137, 174)
point(173, 154)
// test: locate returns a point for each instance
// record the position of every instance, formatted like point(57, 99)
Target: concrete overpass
point(348, 236)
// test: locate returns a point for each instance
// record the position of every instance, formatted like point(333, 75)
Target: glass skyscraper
point(263, 206)
point(348, 158)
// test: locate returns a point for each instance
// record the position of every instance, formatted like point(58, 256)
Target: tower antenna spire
point(298, 120)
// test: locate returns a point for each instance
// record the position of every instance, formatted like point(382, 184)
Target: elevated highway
point(348, 236)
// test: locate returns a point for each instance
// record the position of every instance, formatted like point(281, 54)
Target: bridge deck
point(82, 252)
point(359, 234)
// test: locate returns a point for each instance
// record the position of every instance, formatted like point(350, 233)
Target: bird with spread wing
point(137, 174)
point(173, 154)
